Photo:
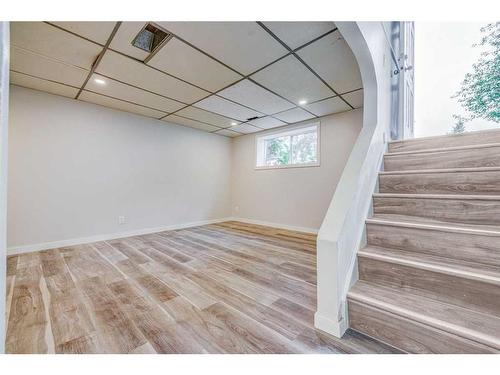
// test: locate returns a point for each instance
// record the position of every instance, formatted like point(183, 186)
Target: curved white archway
point(342, 231)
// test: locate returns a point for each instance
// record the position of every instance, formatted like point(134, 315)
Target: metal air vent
point(150, 38)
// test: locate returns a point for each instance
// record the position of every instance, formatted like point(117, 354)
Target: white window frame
point(284, 131)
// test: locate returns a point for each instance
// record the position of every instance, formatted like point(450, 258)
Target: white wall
point(4, 108)
point(296, 197)
point(341, 233)
point(74, 167)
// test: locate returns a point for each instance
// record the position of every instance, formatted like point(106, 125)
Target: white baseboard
point(327, 325)
point(276, 225)
point(104, 237)
point(13, 250)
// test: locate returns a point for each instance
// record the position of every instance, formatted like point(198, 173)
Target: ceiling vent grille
point(150, 38)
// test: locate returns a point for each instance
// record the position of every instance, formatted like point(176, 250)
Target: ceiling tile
point(294, 115)
point(245, 128)
point(119, 104)
point(354, 98)
point(296, 34)
point(244, 46)
point(138, 74)
point(42, 85)
point(267, 122)
point(226, 108)
point(185, 62)
point(99, 32)
point(191, 123)
point(50, 41)
point(327, 106)
point(132, 94)
point(334, 61)
point(227, 133)
point(207, 117)
point(292, 80)
point(37, 65)
point(248, 93)
point(122, 41)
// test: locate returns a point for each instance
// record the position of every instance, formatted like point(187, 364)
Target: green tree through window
point(480, 91)
point(291, 147)
point(304, 148)
point(278, 151)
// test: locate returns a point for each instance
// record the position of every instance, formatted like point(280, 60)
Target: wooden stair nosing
point(442, 170)
point(439, 196)
point(442, 136)
point(424, 263)
point(454, 247)
point(406, 312)
point(443, 149)
point(436, 226)
point(409, 335)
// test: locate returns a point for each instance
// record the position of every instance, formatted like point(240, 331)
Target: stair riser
point(467, 211)
point(460, 246)
point(466, 139)
point(475, 294)
point(485, 183)
point(408, 335)
point(467, 158)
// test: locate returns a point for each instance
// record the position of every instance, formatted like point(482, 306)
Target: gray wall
point(297, 197)
point(75, 167)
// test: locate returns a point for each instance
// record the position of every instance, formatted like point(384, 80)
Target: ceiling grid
point(203, 76)
point(99, 58)
point(303, 62)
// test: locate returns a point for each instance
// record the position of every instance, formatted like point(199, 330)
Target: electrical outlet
point(122, 220)
point(236, 208)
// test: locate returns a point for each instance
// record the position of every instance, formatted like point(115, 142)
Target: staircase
point(429, 276)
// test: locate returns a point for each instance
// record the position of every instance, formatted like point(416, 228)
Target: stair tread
point(461, 268)
point(442, 170)
point(432, 264)
point(445, 136)
point(476, 326)
point(426, 223)
point(444, 149)
point(439, 196)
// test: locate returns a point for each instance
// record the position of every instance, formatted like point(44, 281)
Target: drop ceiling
point(228, 78)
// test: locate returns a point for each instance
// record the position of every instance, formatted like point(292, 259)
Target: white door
point(406, 79)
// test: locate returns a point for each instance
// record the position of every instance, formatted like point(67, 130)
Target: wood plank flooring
point(221, 288)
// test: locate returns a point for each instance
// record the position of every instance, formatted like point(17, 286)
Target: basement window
point(292, 147)
point(150, 37)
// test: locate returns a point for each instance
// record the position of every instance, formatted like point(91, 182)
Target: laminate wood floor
point(221, 288)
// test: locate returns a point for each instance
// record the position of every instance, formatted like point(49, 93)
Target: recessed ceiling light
point(302, 102)
point(100, 81)
point(234, 123)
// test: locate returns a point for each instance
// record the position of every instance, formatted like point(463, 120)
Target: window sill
point(309, 165)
